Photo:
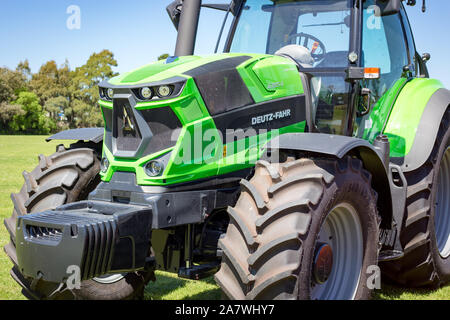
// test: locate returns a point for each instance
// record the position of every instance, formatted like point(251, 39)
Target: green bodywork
point(208, 157)
point(397, 114)
point(407, 112)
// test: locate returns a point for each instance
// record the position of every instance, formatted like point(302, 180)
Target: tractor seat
point(299, 54)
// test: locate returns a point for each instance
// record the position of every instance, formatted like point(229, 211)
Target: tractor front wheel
point(69, 175)
point(303, 229)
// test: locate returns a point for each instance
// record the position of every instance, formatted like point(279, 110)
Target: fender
point(338, 147)
point(85, 134)
point(414, 122)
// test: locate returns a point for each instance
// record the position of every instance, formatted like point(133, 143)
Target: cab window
point(410, 41)
point(383, 46)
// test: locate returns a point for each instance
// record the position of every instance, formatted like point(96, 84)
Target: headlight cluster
point(153, 168)
point(106, 93)
point(144, 93)
point(147, 93)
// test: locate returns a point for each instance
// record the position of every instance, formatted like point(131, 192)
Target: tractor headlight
point(164, 91)
point(104, 165)
point(146, 93)
point(109, 93)
point(154, 168)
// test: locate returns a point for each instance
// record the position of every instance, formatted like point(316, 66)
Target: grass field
point(19, 153)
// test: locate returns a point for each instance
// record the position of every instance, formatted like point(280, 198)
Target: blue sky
point(138, 31)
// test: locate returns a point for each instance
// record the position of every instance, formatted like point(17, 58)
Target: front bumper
point(111, 232)
point(95, 236)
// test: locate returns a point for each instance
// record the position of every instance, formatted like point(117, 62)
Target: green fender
point(336, 146)
point(414, 122)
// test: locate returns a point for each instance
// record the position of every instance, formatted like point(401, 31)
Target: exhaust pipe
point(187, 29)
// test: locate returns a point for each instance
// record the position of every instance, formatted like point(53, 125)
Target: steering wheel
point(317, 49)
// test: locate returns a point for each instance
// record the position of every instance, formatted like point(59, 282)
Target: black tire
point(422, 265)
point(269, 247)
point(67, 176)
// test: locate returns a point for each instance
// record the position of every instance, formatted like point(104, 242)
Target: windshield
point(320, 26)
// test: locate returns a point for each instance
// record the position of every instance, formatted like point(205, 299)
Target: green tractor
point(313, 151)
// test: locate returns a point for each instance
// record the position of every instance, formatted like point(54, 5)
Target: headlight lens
point(109, 93)
point(146, 93)
point(164, 91)
point(154, 168)
point(104, 164)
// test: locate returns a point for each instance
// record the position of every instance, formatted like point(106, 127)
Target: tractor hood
point(273, 72)
point(155, 71)
point(152, 113)
point(166, 69)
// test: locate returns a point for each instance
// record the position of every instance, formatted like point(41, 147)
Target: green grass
point(19, 153)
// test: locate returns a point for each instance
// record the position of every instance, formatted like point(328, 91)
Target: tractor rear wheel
point(303, 229)
point(69, 175)
point(425, 234)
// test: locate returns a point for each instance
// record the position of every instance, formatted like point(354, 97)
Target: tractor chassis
point(110, 232)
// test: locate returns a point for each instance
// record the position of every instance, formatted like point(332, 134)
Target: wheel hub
point(337, 266)
point(323, 263)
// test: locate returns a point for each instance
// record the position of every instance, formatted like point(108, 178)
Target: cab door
point(384, 46)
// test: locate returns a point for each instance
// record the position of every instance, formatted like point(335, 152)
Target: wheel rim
point(342, 231)
point(109, 278)
point(442, 212)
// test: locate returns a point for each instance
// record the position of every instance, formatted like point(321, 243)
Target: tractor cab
point(329, 40)
point(316, 35)
point(353, 51)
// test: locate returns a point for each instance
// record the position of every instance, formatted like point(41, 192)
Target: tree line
point(55, 98)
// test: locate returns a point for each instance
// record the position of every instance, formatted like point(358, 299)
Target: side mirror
point(389, 7)
point(174, 11)
point(426, 57)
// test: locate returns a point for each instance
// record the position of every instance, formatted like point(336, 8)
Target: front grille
point(165, 127)
point(125, 126)
point(136, 133)
point(43, 233)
